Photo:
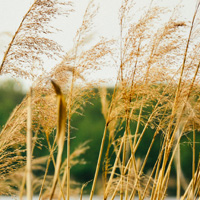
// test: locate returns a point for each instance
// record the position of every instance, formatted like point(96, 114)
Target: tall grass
point(157, 89)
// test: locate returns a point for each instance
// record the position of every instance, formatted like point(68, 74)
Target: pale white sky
point(12, 11)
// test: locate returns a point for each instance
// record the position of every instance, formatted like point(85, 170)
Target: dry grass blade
point(29, 149)
point(192, 190)
point(60, 135)
point(82, 188)
point(193, 158)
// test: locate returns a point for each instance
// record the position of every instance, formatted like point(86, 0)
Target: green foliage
point(11, 95)
point(88, 127)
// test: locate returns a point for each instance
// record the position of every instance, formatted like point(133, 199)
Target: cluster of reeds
point(157, 89)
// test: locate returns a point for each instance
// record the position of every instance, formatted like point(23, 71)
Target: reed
point(156, 92)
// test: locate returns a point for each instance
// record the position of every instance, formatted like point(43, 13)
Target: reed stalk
point(178, 169)
point(47, 168)
point(60, 135)
point(68, 136)
point(29, 149)
point(193, 157)
point(113, 169)
point(98, 162)
point(46, 171)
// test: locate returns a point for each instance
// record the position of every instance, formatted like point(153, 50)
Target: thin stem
point(29, 149)
point(46, 169)
point(68, 137)
point(193, 158)
point(103, 142)
point(113, 169)
point(98, 162)
point(178, 170)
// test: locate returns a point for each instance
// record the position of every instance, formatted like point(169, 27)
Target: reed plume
point(31, 41)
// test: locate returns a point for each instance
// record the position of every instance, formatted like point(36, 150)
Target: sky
point(12, 12)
